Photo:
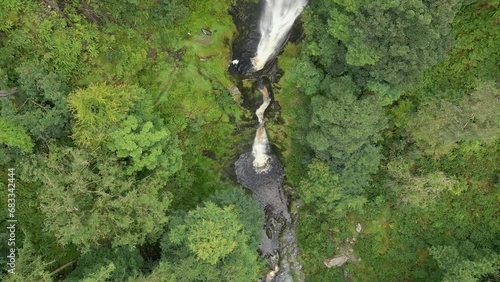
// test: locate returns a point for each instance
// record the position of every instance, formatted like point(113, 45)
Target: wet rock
point(358, 227)
point(249, 178)
point(246, 15)
point(336, 261)
point(233, 90)
point(206, 31)
point(278, 245)
point(266, 187)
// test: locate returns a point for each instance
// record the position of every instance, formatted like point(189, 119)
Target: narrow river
point(262, 35)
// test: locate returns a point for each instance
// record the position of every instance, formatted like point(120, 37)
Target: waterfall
point(275, 24)
point(260, 148)
point(266, 101)
point(260, 170)
point(260, 152)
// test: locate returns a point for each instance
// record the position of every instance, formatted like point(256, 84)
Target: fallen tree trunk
point(5, 93)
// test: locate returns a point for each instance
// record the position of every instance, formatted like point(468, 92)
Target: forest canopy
point(119, 127)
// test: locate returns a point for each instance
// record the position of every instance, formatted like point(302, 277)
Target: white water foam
point(275, 23)
point(260, 152)
point(261, 148)
point(262, 109)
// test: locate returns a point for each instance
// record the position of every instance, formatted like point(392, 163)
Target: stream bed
point(278, 244)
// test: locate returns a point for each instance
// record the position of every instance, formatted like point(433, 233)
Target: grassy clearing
point(198, 103)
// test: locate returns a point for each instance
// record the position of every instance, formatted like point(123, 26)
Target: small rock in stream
point(206, 31)
point(336, 261)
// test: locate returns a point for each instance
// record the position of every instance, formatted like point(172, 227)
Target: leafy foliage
point(149, 147)
point(391, 41)
point(40, 107)
point(109, 93)
point(89, 201)
point(215, 242)
point(343, 132)
point(211, 232)
point(15, 136)
point(248, 210)
point(103, 264)
point(473, 58)
point(29, 265)
point(457, 267)
point(426, 173)
point(323, 191)
point(97, 109)
point(439, 125)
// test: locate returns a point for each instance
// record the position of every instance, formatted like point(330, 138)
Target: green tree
point(215, 243)
point(439, 125)
point(472, 59)
point(97, 109)
point(104, 264)
point(103, 274)
point(148, 146)
point(107, 116)
point(89, 201)
point(29, 265)
point(322, 190)
point(163, 272)
point(39, 106)
point(344, 130)
point(248, 210)
point(15, 136)
point(211, 232)
point(458, 267)
point(414, 202)
point(305, 76)
point(393, 40)
point(420, 190)
point(341, 122)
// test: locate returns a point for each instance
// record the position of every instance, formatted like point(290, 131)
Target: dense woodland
point(117, 118)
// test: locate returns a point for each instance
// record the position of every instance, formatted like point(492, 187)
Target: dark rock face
point(267, 190)
point(253, 181)
point(246, 18)
point(266, 187)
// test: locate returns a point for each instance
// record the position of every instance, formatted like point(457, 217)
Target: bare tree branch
point(5, 93)
point(62, 267)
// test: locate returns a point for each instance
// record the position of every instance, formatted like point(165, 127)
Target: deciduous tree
point(29, 265)
point(89, 201)
point(98, 109)
point(211, 232)
point(322, 190)
point(104, 264)
point(248, 210)
point(392, 40)
point(40, 106)
point(457, 267)
point(344, 130)
point(439, 125)
point(215, 242)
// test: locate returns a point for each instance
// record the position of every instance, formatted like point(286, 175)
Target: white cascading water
point(260, 152)
point(261, 149)
point(275, 23)
point(262, 109)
